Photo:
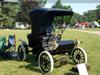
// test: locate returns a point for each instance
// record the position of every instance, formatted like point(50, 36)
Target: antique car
point(45, 39)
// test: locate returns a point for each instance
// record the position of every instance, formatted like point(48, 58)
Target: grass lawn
point(93, 29)
point(91, 43)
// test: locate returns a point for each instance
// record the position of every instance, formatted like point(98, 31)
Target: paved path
point(92, 32)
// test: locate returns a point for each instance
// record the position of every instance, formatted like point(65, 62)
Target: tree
point(98, 6)
point(9, 12)
point(97, 12)
point(76, 18)
point(90, 15)
point(58, 4)
point(26, 7)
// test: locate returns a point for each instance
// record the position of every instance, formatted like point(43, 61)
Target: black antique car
point(46, 41)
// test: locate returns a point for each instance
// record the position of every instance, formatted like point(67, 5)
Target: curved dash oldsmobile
point(46, 41)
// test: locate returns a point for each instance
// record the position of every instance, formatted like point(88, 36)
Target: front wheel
point(22, 52)
point(79, 55)
point(45, 62)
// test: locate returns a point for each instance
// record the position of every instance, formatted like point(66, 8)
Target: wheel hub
point(78, 57)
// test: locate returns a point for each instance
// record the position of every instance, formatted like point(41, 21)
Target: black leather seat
point(66, 42)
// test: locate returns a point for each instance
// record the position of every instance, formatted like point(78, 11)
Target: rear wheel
point(79, 55)
point(22, 52)
point(45, 62)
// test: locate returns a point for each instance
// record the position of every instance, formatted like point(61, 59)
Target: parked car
point(46, 41)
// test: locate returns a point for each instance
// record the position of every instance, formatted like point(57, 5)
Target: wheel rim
point(45, 62)
point(78, 56)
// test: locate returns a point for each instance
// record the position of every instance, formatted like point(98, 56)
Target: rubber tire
point(24, 51)
point(84, 53)
point(51, 61)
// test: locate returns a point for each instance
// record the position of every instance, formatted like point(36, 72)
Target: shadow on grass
point(2, 59)
point(71, 73)
point(32, 64)
point(62, 63)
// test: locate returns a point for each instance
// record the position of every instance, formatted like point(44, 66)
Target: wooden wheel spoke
point(79, 56)
point(45, 62)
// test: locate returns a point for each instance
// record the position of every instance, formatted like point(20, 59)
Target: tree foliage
point(98, 12)
point(76, 18)
point(26, 7)
point(90, 15)
point(58, 4)
point(87, 16)
point(9, 12)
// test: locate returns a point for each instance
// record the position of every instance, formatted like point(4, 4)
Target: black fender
point(24, 44)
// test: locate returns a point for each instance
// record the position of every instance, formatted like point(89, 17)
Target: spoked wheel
point(21, 53)
point(45, 62)
point(79, 55)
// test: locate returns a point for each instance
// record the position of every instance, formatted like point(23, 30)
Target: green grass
point(91, 43)
point(93, 29)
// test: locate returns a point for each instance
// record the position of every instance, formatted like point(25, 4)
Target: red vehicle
point(82, 24)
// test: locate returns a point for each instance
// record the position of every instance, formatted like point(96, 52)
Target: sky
point(78, 7)
point(76, 1)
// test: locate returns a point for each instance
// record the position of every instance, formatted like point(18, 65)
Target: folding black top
point(43, 16)
point(51, 11)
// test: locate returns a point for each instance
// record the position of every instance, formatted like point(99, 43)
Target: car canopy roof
point(44, 16)
point(51, 11)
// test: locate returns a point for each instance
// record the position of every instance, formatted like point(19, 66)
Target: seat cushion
point(66, 44)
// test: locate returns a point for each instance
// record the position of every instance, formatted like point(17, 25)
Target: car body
point(45, 39)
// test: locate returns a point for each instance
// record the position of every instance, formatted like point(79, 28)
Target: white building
point(21, 25)
point(10, 0)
